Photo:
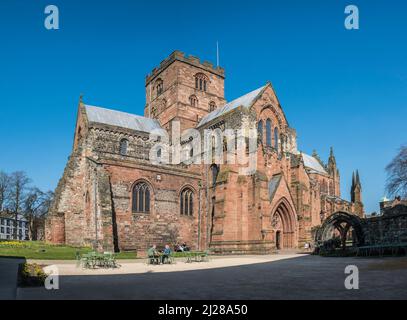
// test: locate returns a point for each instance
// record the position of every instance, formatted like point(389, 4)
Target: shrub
point(31, 275)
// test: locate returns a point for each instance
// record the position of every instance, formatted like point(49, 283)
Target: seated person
point(166, 254)
point(185, 247)
point(153, 254)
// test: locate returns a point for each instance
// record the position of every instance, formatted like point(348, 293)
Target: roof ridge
point(118, 111)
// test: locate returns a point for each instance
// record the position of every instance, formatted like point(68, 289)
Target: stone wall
point(389, 228)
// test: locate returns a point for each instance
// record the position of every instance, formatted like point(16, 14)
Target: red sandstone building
point(113, 197)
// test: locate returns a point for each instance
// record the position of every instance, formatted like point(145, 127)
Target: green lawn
point(42, 251)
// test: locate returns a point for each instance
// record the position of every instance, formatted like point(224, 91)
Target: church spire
point(332, 169)
point(358, 179)
point(356, 193)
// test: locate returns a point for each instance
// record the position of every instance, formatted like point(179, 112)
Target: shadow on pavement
point(305, 277)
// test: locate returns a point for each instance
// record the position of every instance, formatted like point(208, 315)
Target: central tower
point(184, 89)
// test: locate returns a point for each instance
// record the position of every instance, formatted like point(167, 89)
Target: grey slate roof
point(273, 185)
point(245, 101)
point(313, 164)
point(121, 119)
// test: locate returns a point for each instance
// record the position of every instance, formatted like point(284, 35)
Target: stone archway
point(345, 226)
point(283, 225)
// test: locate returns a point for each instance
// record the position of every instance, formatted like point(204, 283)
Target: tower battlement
point(192, 60)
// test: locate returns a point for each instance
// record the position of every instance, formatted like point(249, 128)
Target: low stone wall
point(388, 228)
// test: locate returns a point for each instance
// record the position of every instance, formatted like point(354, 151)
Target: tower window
point(124, 144)
point(201, 82)
point(141, 198)
point(187, 202)
point(212, 106)
point(159, 87)
point(193, 100)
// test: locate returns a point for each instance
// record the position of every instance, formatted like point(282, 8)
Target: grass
point(44, 251)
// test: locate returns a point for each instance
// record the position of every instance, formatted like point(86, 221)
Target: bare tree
point(18, 187)
point(36, 205)
point(4, 189)
point(397, 174)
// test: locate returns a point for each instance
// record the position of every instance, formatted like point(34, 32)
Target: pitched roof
point(121, 119)
point(245, 101)
point(312, 164)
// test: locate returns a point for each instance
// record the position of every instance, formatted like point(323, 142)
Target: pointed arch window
point(268, 132)
point(141, 198)
point(187, 202)
point(215, 172)
point(124, 144)
point(276, 138)
point(260, 130)
point(193, 100)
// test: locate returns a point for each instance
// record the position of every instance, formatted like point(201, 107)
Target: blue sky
point(340, 88)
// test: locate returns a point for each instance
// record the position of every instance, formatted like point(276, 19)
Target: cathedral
point(113, 197)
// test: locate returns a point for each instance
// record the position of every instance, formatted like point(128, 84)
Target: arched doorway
point(278, 240)
point(283, 225)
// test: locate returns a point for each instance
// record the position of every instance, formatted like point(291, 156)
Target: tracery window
point(141, 198)
point(187, 202)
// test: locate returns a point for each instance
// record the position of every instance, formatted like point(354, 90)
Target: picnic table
point(156, 259)
point(196, 256)
point(94, 259)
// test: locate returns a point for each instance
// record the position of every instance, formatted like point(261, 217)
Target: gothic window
point(268, 132)
point(276, 138)
point(215, 172)
point(123, 147)
point(201, 82)
point(159, 87)
point(212, 106)
point(193, 100)
point(260, 130)
point(141, 198)
point(187, 202)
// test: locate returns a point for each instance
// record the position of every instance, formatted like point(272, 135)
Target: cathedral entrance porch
point(283, 225)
